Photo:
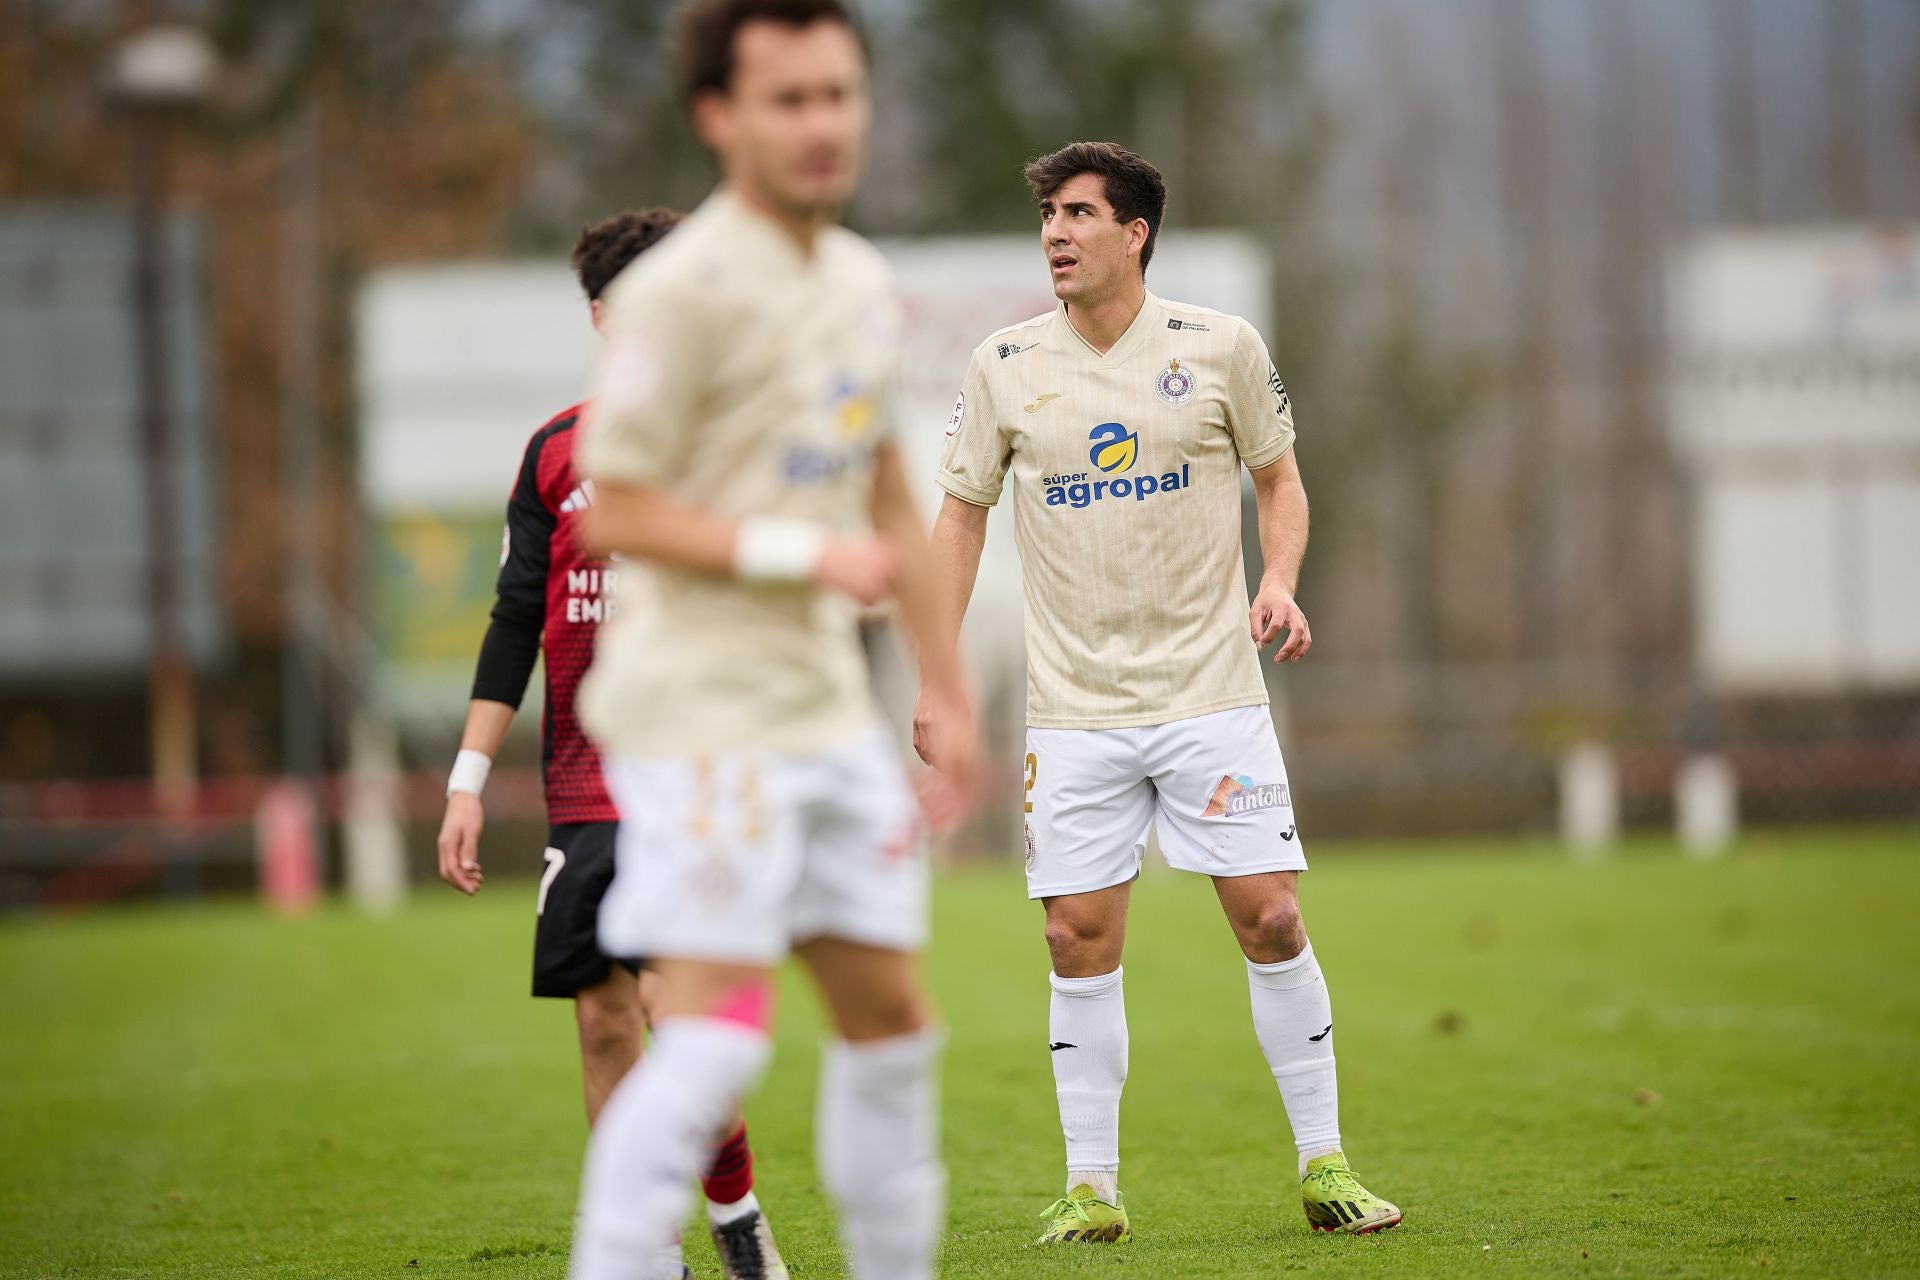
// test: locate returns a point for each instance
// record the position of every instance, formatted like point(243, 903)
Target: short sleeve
point(973, 465)
point(1260, 414)
point(646, 388)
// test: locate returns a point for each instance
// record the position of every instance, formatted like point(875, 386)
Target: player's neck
point(802, 226)
point(1104, 322)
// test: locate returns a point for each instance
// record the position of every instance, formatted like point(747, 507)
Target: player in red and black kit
point(551, 595)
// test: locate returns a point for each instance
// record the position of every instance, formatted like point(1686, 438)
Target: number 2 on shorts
point(1033, 772)
point(556, 859)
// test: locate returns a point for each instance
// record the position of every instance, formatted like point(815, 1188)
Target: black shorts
point(566, 951)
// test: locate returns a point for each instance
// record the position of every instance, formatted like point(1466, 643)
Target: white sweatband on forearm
point(778, 549)
point(470, 770)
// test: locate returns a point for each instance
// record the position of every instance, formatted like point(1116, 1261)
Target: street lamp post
point(156, 74)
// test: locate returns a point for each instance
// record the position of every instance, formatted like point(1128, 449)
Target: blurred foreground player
point(552, 595)
point(741, 444)
point(1126, 419)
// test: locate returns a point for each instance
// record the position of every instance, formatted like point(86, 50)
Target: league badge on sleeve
point(1176, 384)
point(959, 411)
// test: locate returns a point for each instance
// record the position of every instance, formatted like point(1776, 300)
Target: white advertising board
point(1795, 402)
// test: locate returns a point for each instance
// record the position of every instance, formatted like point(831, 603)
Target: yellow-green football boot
point(1084, 1218)
point(1335, 1200)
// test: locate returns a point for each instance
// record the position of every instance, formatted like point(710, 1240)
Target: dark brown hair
point(707, 31)
point(1134, 188)
point(605, 248)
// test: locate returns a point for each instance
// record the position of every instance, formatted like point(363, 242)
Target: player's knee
point(1076, 940)
point(1278, 932)
point(609, 1029)
point(892, 1012)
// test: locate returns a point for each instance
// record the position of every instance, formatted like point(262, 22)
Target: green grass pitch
point(1645, 1067)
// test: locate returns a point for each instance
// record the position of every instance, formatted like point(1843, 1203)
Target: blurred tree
point(968, 91)
point(421, 148)
point(619, 131)
point(1211, 92)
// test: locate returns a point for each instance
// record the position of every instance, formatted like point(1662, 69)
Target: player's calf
point(608, 1018)
point(878, 1147)
point(658, 1127)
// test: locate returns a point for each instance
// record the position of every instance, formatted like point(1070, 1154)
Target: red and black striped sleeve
point(512, 643)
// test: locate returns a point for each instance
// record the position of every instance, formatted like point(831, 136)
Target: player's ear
point(1137, 232)
point(711, 122)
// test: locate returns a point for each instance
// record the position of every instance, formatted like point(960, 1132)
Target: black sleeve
point(512, 645)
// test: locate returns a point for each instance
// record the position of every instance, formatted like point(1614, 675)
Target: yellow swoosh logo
point(1036, 406)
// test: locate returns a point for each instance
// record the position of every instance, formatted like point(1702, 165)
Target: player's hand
point(948, 738)
point(863, 568)
point(1274, 610)
point(460, 842)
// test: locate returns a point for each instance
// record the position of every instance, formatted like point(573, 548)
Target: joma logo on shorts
point(1243, 795)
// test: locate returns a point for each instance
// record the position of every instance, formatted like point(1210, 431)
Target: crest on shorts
point(1176, 384)
point(715, 881)
point(1033, 853)
point(1235, 796)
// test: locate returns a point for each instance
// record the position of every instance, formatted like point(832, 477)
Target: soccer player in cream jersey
point(549, 606)
point(1126, 419)
point(741, 447)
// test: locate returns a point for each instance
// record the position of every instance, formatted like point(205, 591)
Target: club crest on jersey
point(1175, 385)
point(1114, 447)
point(1235, 796)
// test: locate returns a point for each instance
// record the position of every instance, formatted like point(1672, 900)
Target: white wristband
point(470, 770)
point(777, 549)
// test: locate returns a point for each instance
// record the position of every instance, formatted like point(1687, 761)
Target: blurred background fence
point(1601, 320)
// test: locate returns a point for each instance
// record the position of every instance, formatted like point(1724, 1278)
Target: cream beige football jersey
point(744, 377)
point(1126, 472)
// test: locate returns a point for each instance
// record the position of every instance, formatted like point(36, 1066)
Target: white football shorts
point(1215, 785)
point(739, 856)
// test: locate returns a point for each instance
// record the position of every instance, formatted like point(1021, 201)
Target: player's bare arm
point(959, 533)
point(487, 724)
point(640, 520)
point(1281, 499)
point(932, 616)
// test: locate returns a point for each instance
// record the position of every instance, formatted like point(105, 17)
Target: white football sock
point(652, 1140)
point(877, 1137)
point(722, 1214)
point(1087, 1033)
point(1293, 1020)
